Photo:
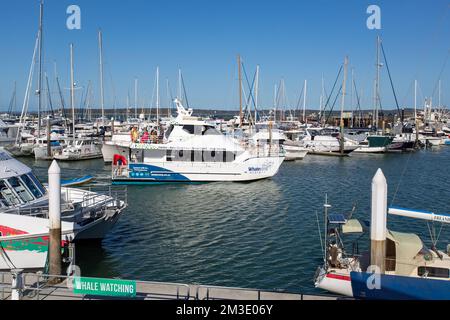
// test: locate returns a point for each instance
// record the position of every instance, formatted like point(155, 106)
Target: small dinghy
point(76, 182)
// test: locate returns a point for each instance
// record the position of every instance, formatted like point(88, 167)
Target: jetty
point(16, 285)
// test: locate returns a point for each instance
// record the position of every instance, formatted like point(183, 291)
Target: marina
point(244, 236)
point(133, 187)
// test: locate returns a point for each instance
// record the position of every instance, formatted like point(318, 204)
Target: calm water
point(262, 234)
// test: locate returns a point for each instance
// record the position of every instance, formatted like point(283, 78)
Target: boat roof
point(10, 167)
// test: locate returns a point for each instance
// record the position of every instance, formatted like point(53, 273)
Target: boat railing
point(95, 200)
point(39, 286)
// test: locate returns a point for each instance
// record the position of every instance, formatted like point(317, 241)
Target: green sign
point(104, 287)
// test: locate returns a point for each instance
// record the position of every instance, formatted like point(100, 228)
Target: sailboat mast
point(256, 92)
point(72, 95)
point(322, 97)
point(439, 98)
point(179, 85)
point(415, 112)
point(342, 106)
point(275, 102)
point(168, 98)
point(240, 92)
point(102, 96)
point(41, 17)
point(157, 98)
point(304, 102)
point(135, 97)
point(377, 84)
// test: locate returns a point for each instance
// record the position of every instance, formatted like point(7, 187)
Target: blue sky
point(293, 40)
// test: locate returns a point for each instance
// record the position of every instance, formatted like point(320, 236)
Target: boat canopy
point(352, 226)
point(407, 247)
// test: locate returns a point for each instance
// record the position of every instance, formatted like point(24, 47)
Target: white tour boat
point(195, 151)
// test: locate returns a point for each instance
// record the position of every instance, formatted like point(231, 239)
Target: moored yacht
point(326, 141)
point(80, 149)
point(195, 151)
point(85, 214)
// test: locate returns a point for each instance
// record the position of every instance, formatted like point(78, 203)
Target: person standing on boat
point(154, 136)
point(134, 135)
point(145, 136)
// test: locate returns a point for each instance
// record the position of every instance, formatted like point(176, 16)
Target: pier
point(35, 286)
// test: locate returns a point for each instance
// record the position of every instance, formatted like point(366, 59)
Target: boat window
point(37, 183)
point(31, 186)
point(137, 156)
point(433, 272)
point(211, 131)
point(20, 189)
point(169, 131)
point(169, 155)
point(229, 156)
point(7, 197)
point(189, 129)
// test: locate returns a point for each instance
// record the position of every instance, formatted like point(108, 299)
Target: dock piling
point(54, 200)
point(378, 224)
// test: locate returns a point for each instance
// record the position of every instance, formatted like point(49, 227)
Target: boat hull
point(249, 170)
point(109, 150)
point(394, 287)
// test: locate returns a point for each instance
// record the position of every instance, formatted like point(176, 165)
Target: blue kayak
point(76, 182)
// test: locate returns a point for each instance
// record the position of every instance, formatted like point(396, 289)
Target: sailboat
point(398, 266)
point(79, 148)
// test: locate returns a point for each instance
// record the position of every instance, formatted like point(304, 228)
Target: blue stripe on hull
point(150, 182)
point(400, 288)
point(144, 174)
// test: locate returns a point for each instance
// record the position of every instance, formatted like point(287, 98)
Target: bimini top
point(10, 167)
point(407, 247)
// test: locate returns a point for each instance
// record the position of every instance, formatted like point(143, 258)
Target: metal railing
point(94, 199)
point(39, 286)
point(19, 285)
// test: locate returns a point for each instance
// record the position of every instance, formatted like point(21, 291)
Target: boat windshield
point(20, 189)
point(211, 131)
point(7, 197)
point(37, 183)
point(31, 186)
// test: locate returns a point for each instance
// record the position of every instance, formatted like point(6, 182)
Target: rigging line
point(331, 93)
point(320, 236)
point(251, 88)
point(300, 99)
point(334, 103)
point(401, 178)
point(441, 72)
point(390, 78)
point(184, 90)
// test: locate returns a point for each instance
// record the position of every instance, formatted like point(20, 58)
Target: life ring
point(120, 157)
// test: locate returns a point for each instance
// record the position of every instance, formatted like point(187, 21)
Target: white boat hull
point(109, 150)
point(251, 169)
point(294, 153)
